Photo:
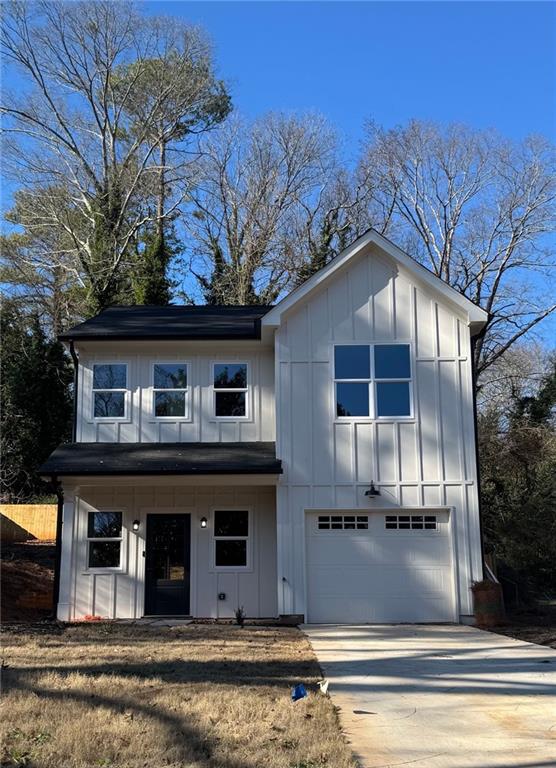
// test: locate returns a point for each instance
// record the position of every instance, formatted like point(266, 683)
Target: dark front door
point(167, 565)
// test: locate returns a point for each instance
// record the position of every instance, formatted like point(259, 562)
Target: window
point(343, 522)
point(104, 536)
point(231, 536)
point(352, 370)
point(410, 522)
point(230, 390)
point(109, 390)
point(372, 378)
point(392, 375)
point(170, 389)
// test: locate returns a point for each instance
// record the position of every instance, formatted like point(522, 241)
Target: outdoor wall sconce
point(372, 492)
point(204, 522)
point(135, 525)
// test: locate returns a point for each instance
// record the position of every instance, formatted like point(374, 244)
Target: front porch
point(159, 546)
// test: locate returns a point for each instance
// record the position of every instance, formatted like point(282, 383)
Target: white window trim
point(126, 391)
point(187, 390)
point(247, 390)
point(372, 382)
point(248, 567)
point(122, 567)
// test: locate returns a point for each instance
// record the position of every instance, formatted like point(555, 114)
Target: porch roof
point(163, 459)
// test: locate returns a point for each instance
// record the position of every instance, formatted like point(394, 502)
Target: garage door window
point(343, 522)
point(372, 381)
point(410, 522)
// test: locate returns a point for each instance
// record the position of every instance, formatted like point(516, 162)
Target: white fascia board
point(475, 314)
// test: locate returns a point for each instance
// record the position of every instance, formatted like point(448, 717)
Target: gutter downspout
point(477, 462)
point(75, 359)
point(58, 550)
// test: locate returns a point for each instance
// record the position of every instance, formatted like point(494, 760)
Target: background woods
point(134, 181)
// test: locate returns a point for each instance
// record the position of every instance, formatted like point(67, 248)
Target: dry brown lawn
point(123, 696)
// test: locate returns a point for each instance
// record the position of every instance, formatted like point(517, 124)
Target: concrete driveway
point(440, 696)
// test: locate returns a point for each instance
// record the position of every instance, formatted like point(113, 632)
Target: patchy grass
point(123, 696)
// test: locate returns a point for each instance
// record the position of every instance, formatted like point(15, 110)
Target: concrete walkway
point(440, 696)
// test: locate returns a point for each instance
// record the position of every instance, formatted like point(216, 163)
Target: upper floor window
point(109, 390)
point(230, 390)
point(372, 379)
point(170, 389)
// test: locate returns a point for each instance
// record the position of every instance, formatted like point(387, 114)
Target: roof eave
point(67, 337)
point(271, 471)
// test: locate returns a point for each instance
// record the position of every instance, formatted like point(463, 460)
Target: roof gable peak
point(475, 314)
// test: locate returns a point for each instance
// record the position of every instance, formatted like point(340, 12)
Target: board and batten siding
point(199, 425)
point(424, 461)
point(120, 594)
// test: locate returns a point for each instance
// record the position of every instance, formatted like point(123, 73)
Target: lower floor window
point(231, 536)
point(104, 539)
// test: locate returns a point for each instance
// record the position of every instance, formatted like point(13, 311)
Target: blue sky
point(489, 64)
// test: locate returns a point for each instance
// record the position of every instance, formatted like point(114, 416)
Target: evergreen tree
point(36, 402)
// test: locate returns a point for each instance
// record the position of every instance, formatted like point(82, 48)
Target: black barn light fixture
point(136, 524)
point(372, 492)
point(204, 522)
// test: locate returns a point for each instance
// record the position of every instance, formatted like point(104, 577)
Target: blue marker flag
point(299, 692)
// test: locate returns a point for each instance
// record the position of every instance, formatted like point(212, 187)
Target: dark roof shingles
point(162, 459)
point(171, 322)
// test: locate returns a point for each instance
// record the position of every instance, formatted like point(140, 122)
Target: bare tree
point(517, 373)
point(271, 200)
point(38, 266)
point(477, 210)
point(79, 124)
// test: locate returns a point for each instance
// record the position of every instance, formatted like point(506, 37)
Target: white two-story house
point(315, 459)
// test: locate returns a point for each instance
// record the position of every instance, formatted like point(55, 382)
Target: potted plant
point(488, 603)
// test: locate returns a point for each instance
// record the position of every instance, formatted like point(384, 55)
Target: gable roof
point(171, 322)
point(477, 316)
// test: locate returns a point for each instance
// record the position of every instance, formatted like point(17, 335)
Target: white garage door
point(379, 567)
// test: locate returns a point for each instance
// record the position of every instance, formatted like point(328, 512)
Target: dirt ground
point(124, 696)
point(26, 580)
point(534, 625)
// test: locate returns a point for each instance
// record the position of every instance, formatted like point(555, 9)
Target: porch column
point(64, 608)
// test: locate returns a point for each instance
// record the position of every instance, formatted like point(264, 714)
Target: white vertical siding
point(425, 461)
point(120, 594)
point(199, 425)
